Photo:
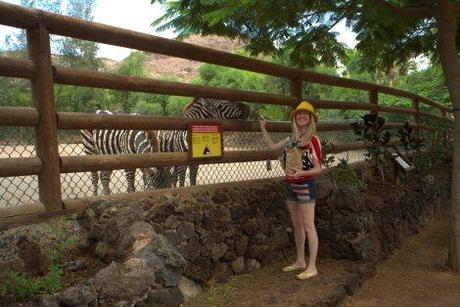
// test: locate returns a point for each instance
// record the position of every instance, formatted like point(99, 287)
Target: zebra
point(109, 142)
point(176, 141)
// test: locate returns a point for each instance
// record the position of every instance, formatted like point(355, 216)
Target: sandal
point(306, 275)
point(291, 268)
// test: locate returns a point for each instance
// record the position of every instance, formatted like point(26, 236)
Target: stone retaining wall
point(168, 245)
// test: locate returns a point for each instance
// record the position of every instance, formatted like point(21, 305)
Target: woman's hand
point(262, 122)
point(297, 173)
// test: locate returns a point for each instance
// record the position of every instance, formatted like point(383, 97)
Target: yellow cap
point(305, 106)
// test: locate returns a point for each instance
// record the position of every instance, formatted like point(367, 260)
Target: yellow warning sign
point(206, 141)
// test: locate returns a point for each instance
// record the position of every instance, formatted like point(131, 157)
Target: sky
point(137, 15)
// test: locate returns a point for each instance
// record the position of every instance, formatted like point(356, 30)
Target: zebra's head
point(156, 178)
point(216, 108)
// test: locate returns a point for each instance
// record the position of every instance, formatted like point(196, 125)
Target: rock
point(429, 179)
point(200, 269)
point(280, 239)
point(259, 238)
point(171, 222)
point(188, 288)
point(363, 247)
point(105, 252)
point(49, 301)
point(99, 206)
point(218, 251)
point(324, 188)
point(351, 283)
point(140, 234)
point(164, 260)
point(220, 198)
point(221, 273)
point(219, 215)
point(229, 256)
point(168, 277)
point(171, 256)
point(250, 227)
point(215, 236)
point(124, 282)
point(257, 251)
point(348, 198)
point(241, 245)
point(190, 250)
point(76, 265)
point(238, 265)
point(251, 265)
point(170, 297)
point(81, 295)
point(186, 230)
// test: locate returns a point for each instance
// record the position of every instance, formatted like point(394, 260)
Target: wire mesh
point(16, 142)
point(18, 191)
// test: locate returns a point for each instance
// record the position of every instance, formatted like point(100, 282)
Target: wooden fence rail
point(48, 165)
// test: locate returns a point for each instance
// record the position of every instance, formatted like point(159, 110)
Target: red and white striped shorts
point(304, 192)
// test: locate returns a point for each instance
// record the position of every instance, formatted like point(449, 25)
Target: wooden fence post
point(416, 109)
point(295, 89)
point(374, 100)
point(46, 139)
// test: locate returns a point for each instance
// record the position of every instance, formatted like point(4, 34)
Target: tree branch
point(419, 12)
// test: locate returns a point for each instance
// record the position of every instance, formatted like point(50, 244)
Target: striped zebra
point(110, 142)
point(176, 141)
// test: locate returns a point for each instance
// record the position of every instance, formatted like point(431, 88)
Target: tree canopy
point(306, 30)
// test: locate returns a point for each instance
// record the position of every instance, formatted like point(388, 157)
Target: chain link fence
point(19, 142)
point(17, 191)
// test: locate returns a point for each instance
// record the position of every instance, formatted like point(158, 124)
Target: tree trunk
point(446, 16)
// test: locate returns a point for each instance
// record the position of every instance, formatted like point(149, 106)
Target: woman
point(300, 184)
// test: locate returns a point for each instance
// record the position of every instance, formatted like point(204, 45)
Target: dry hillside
point(159, 66)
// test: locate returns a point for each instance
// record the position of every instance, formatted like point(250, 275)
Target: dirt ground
point(415, 275)
point(269, 286)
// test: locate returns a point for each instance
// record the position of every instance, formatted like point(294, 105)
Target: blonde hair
point(311, 130)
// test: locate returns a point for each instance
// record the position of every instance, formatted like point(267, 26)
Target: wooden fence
point(48, 165)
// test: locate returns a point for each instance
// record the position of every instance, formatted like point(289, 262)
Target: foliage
point(435, 152)
point(268, 26)
point(305, 30)
point(327, 159)
point(20, 285)
point(342, 174)
point(370, 130)
point(408, 138)
point(23, 286)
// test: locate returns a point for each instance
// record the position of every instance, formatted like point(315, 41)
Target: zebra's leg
point(193, 173)
point(181, 170)
point(130, 173)
point(174, 175)
point(105, 179)
point(146, 177)
point(95, 181)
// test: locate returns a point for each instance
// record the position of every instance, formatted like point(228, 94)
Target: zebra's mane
point(188, 105)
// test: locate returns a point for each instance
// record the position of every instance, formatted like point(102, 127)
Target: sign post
point(399, 160)
point(206, 141)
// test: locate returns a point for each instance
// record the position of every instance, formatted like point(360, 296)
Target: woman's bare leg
point(307, 212)
point(299, 233)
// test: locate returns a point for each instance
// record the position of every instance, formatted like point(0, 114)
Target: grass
point(22, 286)
point(217, 294)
